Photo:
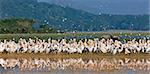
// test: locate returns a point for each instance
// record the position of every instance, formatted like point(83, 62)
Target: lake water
point(75, 65)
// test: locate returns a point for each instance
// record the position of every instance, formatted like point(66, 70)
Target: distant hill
point(123, 7)
point(69, 19)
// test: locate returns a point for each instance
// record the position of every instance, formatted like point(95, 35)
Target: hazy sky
point(107, 6)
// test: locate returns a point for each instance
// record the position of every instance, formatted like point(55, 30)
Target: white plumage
point(72, 46)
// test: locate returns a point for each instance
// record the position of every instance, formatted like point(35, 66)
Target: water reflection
point(76, 64)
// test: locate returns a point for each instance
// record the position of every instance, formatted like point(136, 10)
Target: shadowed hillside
point(68, 19)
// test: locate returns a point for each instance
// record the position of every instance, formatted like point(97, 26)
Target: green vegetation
point(80, 35)
point(14, 26)
point(23, 28)
point(69, 19)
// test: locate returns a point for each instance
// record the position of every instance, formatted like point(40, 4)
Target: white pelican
point(115, 51)
point(2, 48)
point(103, 48)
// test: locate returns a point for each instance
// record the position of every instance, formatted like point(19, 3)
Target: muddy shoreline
point(65, 55)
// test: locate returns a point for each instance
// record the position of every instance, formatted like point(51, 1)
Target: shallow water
point(74, 72)
point(74, 66)
point(136, 37)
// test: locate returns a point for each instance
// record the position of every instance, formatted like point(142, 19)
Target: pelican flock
point(75, 46)
point(76, 64)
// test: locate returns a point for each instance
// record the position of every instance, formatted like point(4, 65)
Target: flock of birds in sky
point(75, 46)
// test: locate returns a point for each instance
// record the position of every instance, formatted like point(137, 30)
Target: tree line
point(21, 25)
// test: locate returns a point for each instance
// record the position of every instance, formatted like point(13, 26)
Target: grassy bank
point(71, 35)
